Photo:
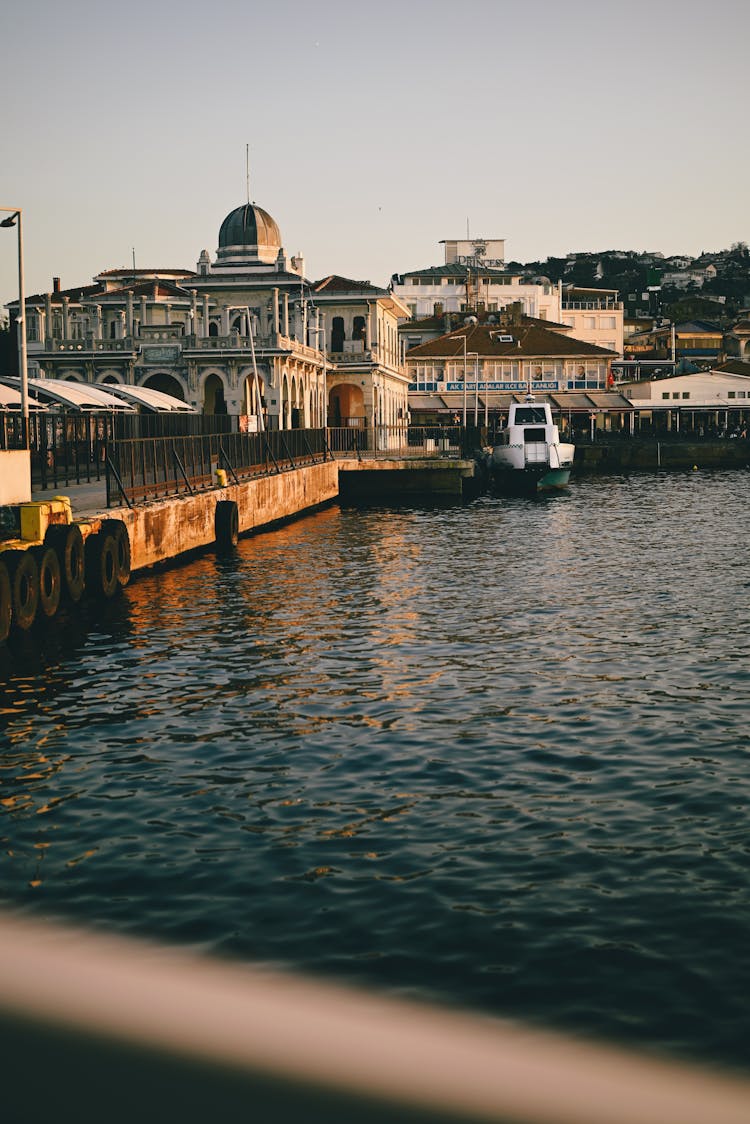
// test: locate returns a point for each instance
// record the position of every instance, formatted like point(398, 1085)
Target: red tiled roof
point(128, 271)
point(529, 340)
point(82, 291)
point(335, 284)
point(147, 288)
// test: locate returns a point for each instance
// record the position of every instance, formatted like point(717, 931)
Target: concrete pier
point(162, 530)
point(368, 479)
point(649, 454)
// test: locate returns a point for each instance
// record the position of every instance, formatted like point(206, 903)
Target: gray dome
point(249, 225)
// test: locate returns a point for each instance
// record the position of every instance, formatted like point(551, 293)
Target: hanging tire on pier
point(226, 524)
point(101, 565)
point(6, 601)
point(119, 532)
point(24, 586)
point(67, 542)
point(50, 580)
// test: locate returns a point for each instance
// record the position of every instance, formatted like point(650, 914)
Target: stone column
point(225, 321)
point(48, 312)
point(97, 321)
point(42, 326)
point(66, 318)
point(286, 314)
point(193, 312)
point(168, 314)
point(204, 331)
point(275, 308)
point(121, 324)
point(129, 319)
point(144, 312)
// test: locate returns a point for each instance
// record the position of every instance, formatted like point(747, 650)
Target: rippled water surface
point(493, 753)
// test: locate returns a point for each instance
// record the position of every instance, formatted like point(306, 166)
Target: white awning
point(75, 395)
point(10, 398)
point(155, 400)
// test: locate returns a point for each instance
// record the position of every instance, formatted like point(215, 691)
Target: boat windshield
point(530, 415)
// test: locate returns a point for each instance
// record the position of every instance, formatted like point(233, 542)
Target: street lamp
point(13, 214)
point(464, 378)
point(320, 330)
point(476, 385)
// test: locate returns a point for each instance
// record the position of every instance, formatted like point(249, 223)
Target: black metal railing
point(12, 431)
point(68, 448)
point(127, 426)
point(404, 441)
point(143, 468)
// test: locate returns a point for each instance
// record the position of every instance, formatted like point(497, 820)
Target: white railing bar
point(309, 1036)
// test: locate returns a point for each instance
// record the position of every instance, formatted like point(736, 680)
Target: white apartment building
point(473, 280)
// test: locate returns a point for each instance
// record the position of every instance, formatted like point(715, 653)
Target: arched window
point(360, 330)
point(213, 328)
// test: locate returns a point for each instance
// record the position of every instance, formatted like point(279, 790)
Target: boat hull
point(530, 480)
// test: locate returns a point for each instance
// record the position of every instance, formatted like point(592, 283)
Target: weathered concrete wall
point(166, 529)
point(15, 476)
point(625, 454)
point(367, 479)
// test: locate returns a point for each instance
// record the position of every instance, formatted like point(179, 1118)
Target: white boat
point(528, 455)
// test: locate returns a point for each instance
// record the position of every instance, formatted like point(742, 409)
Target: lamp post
point(320, 330)
point(464, 378)
point(476, 385)
point(13, 214)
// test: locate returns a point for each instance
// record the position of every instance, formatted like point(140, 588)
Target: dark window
point(531, 414)
point(337, 334)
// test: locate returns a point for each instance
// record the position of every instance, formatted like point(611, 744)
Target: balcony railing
point(602, 304)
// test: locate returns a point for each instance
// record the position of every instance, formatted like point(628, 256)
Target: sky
point(375, 129)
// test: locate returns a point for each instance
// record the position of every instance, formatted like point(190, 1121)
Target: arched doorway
point(255, 398)
point(214, 401)
point(167, 384)
point(346, 405)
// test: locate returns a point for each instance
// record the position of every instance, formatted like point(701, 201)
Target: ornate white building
point(244, 334)
point(473, 280)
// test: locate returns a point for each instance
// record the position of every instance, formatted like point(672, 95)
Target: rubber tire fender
point(6, 601)
point(24, 584)
point(101, 565)
point(119, 532)
point(50, 580)
point(226, 524)
point(68, 543)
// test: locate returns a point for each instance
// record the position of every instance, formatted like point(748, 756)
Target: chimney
point(55, 284)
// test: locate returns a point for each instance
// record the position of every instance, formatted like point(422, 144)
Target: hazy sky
point(375, 129)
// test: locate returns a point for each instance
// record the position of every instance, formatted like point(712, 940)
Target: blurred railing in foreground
point(96, 1028)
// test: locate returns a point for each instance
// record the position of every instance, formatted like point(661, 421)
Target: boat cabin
point(533, 419)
